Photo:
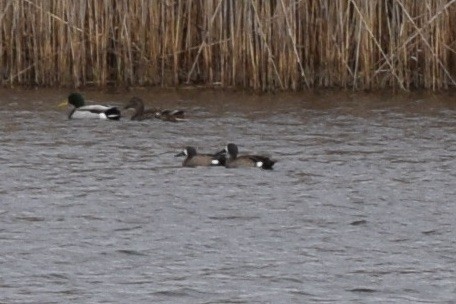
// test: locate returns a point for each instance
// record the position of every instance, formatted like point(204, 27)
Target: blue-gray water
point(359, 209)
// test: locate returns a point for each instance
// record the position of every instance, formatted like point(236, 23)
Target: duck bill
point(180, 154)
point(63, 104)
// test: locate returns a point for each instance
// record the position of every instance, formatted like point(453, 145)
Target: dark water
point(359, 209)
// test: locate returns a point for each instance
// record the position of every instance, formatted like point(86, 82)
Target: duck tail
point(268, 163)
point(221, 159)
point(113, 113)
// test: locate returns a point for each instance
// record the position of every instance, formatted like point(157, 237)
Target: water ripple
point(361, 203)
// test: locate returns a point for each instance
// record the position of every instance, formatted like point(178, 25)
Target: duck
point(141, 113)
point(80, 110)
point(194, 159)
point(235, 161)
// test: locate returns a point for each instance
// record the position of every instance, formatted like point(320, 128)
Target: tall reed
point(263, 45)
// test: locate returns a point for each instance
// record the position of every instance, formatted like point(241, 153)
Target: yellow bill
point(64, 103)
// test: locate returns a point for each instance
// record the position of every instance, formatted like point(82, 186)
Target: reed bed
point(258, 44)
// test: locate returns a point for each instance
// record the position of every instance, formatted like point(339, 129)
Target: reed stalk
point(261, 45)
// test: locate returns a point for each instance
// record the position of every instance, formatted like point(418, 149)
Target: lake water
point(360, 207)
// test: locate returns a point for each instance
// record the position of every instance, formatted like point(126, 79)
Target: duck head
point(135, 103)
point(76, 100)
point(188, 151)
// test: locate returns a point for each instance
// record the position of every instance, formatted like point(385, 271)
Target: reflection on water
point(361, 202)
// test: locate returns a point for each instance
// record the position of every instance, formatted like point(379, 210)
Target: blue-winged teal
point(194, 159)
point(141, 113)
point(235, 161)
point(80, 110)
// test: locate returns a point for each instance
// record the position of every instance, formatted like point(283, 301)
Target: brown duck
point(141, 113)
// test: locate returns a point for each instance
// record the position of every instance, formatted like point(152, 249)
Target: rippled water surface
point(360, 207)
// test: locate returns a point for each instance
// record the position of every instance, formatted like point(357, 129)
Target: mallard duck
point(194, 159)
point(235, 161)
point(80, 110)
point(141, 113)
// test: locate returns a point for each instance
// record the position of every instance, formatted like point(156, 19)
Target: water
point(359, 209)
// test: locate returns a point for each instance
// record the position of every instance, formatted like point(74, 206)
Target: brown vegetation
point(259, 44)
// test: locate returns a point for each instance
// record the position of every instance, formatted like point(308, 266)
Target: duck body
point(82, 111)
point(170, 115)
point(141, 113)
point(95, 111)
point(244, 161)
point(200, 160)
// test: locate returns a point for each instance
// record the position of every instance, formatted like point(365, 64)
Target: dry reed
point(263, 45)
